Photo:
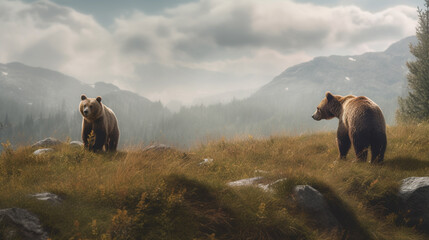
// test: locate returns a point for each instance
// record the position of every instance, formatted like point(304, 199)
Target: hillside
point(164, 193)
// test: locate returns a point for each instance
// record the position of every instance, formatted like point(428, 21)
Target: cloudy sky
point(188, 49)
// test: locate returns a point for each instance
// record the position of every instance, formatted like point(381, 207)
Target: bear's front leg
point(343, 140)
point(100, 140)
point(86, 130)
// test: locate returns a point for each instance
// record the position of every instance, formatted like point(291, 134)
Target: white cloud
point(207, 45)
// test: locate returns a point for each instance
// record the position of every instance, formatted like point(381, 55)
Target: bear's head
point(90, 108)
point(328, 108)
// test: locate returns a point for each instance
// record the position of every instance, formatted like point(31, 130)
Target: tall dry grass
point(168, 194)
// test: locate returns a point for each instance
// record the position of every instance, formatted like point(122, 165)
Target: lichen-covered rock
point(245, 182)
point(46, 196)
point(269, 187)
point(18, 223)
point(76, 143)
point(414, 202)
point(47, 142)
point(42, 151)
point(312, 201)
point(259, 182)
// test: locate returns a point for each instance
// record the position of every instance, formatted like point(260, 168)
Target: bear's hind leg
point(361, 145)
point(113, 144)
point(378, 147)
point(114, 139)
point(362, 154)
point(343, 141)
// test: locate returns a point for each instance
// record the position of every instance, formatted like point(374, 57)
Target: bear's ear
point(99, 99)
point(83, 97)
point(329, 96)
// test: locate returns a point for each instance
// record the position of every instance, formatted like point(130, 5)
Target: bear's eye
point(318, 108)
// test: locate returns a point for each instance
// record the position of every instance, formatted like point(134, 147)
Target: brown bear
point(361, 123)
point(100, 120)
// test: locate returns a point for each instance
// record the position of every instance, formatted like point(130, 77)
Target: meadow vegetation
point(168, 194)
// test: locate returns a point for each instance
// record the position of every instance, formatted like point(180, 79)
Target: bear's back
point(362, 112)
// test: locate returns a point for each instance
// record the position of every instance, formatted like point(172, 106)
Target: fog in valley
point(184, 73)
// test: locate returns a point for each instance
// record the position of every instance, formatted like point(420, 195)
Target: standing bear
point(101, 121)
point(361, 123)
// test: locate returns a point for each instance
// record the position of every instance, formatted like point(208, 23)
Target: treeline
point(144, 124)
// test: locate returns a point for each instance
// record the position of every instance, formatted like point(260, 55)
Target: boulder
point(312, 202)
point(46, 196)
point(47, 142)
point(42, 151)
point(18, 223)
point(76, 143)
point(414, 202)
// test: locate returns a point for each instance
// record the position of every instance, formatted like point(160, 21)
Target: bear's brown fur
point(361, 123)
point(102, 121)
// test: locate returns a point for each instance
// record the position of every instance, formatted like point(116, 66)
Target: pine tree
point(415, 106)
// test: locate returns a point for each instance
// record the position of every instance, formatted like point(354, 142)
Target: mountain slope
point(285, 105)
point(39, 102)
point(36, 97)
point(378, 75)
point(47, 89)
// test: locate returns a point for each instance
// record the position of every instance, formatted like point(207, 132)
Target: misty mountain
point(37, 95)
point(224, 97)
point(42, 103)
point(380, 76)
point(285, 104)
point(47, 90)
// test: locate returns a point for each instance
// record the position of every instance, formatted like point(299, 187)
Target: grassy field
point(134, 194)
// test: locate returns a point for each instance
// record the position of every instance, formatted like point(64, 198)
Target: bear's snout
point(85, 112)
point(316, 117)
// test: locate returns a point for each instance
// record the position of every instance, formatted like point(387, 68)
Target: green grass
point(166, 194)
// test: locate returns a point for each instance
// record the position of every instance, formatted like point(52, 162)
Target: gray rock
point(47, 142)
point(42, 151)
point(414, 204)
point(269, 187)
point(245, 182)
point(76, 143)
point(46, 196)
point(257, 182)
point(313, 202)
point(17, 223)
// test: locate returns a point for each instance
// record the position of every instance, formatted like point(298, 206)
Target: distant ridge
point(378, 75)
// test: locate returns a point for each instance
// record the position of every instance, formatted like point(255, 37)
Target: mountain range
point(34, 95)
point(380, 76)
point(37, 95)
